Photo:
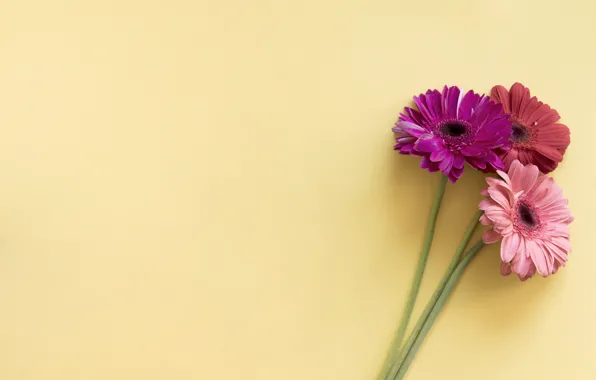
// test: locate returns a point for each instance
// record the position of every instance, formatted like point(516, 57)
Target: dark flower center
point(527, 215)
point(453, 129)
point(519, 133)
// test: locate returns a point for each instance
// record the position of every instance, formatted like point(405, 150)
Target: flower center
point(519, 133)
point(527, 216)
point(453, 129)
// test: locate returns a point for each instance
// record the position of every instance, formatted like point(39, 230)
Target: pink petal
point(509, 157)
point(538, 257)
point(484, 220)
point(530, 175)
point(504, 176)
point(502, 186)
point(505, 269)
point(506, 230)
point(542, 185)
point(509, 247)
point(522, 248)
point(486, 203)
point(529, 274)
point(556, 252)
point(490, 237)
point(522, 265)
point(547, 194)
point(563, 243)
point(559, 229)
point(498, 215)
point(500, 197)
point(516, 174)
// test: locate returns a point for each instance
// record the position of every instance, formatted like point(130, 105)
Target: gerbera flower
point(527, 210)
point(536, 136)
point(450, 128)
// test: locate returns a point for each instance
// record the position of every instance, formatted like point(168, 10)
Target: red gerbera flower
point(537, 137)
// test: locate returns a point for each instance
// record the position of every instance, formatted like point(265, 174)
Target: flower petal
point(500, 95)
point(445, 165)
point(549, 152)
point(509, 247)
point(520, 95)
point(530, 175)
point(405, 127)
point(438, 155)
point(505, 269)
point(491, 236)
point(538, 257)
point(484, 220)
point(428, 143)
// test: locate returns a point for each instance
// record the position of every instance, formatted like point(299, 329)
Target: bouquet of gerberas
point(513, 135)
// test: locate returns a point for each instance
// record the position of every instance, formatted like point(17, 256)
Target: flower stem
point(449, 287)
point(433, 300)
point(428, 238)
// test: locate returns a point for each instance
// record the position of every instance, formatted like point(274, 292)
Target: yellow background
point(206, 190)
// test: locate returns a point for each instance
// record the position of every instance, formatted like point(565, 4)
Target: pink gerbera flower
point(537, 137)
point(527, 210)
point(450, 128)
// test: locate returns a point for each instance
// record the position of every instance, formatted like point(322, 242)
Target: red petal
point(545, 164)
point(549, 152)
point(531, 106)
point(556, 135)
point(524, 157)
point(500, 94)
point(520, 95)
point(543, 115)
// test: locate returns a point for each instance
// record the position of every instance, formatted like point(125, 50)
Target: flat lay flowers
point(516, 140)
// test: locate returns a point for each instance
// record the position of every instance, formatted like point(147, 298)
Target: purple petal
point(426, 163)
point(473, 150)
point(452, 99)
point(420, 102)
point(444, 100)
point(406, 140)
point(405, 127)
point(433, 103)
point(445, 165)
point(468, 102)
point(429, 105)
point(494, 160)
point(411, 115)
point(455, 174)
point(404, 149)
point(438, 155)
point(481, 112)
point(476, 163)
point(458, 162)
point(428, 143)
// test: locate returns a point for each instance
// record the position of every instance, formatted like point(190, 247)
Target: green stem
point(433, 300)
point(403, 369)
point(428, 238)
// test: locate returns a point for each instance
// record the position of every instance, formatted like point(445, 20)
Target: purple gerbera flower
point(451, 128)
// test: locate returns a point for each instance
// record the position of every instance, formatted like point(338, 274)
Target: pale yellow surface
point(196, 190)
